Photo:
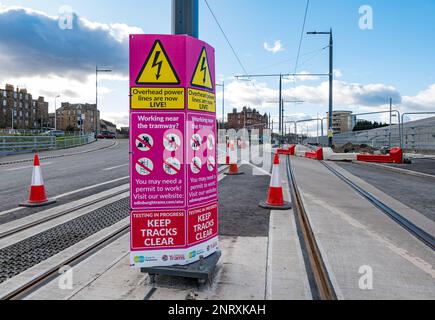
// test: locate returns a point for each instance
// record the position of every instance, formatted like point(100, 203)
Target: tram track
point(413, 229)
point(26, 226)
point(59, 238)
point(322, 288)
point(50, 274)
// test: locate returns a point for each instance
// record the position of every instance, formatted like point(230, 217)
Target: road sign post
point(173, 202)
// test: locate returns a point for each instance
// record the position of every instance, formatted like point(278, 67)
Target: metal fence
point(22, 144)
point(415, 137)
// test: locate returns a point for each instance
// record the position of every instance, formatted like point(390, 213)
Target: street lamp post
point(331, 76)
point(223, 102)
point(55, 111)
point(96, 95)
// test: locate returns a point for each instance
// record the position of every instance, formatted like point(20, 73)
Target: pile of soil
point(353, 148)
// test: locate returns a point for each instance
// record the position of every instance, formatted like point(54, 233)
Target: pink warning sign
point(201, 158)
point(173, 165)
point(157, 178)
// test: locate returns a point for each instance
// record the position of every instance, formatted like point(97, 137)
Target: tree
point(368, 125)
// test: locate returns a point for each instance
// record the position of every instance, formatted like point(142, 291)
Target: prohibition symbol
point(196, 165)
point(195, 142)
point(172, 166)
point(172, 142)
point(144, 142)
point(211, 164)
point(210, 142)
point(144, 166)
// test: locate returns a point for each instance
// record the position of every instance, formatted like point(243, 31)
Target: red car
point(106, 135)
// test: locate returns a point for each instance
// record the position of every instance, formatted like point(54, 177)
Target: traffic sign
point(158, 68)
point(144, 166)
point(173, 174)
point(144, 142)
point(201, 78)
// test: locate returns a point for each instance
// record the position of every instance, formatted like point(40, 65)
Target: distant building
point(125, 130)
point(18, 106)
point(78, 117)
point(342, 121)
point(248, 118)
point(107, 126)
point(51, 120)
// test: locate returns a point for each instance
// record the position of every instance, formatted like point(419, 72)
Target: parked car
point(55, 133)
point(106, 135)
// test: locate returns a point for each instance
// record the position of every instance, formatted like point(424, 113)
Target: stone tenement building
point(248, 118)
point(68, 116)
point(18, 106)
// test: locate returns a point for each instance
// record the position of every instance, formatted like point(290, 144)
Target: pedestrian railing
point(22, 144)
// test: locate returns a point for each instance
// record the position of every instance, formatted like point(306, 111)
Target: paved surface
point(64, 174)
point(239, 196)
point(99, 144)
point(415, 192)
point(354, 237)
point(419, 165)
point(265, 263)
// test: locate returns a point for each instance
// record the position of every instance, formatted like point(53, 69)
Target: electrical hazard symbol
point(172, 166)
point(158, 68)
point(202, 76)
point(144, 142)
point(144, 166)
point(196, 165)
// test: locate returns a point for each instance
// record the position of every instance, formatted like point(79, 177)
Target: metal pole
point(331, 70)
point(96, 99)
point(223, 104)
point(389, 133)
point(185, 17)
point(280, 107)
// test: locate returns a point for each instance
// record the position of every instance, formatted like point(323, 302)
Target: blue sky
point(395, 58)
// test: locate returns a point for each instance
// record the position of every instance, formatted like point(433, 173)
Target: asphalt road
point(419, 165)
point(65, 174)
point(415, 192)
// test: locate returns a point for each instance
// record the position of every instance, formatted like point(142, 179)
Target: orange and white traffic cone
point(228, 155)
point(37, 197)
point(234, 169)
point(275, 197)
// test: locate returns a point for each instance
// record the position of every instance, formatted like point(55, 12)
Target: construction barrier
point(317, 155)
point(37, 196)
point(395, 156)
point(275, 196)
point(288, 152)
point(234, 168)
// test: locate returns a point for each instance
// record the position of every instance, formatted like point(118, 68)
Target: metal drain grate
point(25, 254)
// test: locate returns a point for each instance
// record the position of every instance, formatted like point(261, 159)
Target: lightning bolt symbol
point(158, 64)
point(204, 68)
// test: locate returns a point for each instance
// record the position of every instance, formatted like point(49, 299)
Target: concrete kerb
point(58, 156)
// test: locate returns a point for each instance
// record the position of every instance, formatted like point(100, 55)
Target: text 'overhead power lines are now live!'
point(174, 212)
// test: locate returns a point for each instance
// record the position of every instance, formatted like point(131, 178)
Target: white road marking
point(26, 167)
point(122, 165)
point(69, 193)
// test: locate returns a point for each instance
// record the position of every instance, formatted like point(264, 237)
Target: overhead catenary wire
point(226, 38)
point(302, 35)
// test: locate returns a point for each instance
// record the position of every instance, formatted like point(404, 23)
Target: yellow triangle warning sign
point(202, 76)
point(157, 68)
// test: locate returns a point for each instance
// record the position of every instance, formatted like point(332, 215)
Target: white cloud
point(240, 93)
point(422, 101)
point(277, 46)
point(38, 47)
point(120, 118)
